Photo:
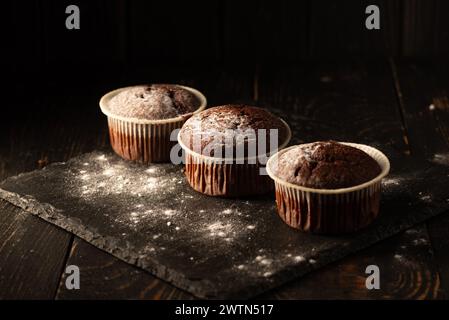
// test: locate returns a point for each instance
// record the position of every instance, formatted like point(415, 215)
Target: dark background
point(118, 33)
point(53, 76)
point(313, 59)
point(124, 42)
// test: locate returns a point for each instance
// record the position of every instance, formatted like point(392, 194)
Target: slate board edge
point(52, 215)
point(201, 288)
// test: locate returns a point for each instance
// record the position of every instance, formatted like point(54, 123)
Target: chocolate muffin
point(154, 102)
point(213, 128)
point(142, 118)
point(226, 148)
point(326, 165)
point(328, 187)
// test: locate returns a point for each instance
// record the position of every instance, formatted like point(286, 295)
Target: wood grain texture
point(342, 83)
point(98, 40)
point(424, 91)
point(438, 230)
point(357, 102)
point(352, 101)
point(265, 31)
point(277, 88)
point(178, 32)
point(103, 276)
point(406, 272)
point(338, 29)
point(425, 29)
point(32, 255)
point(117, 33)
point(55, 130)
point(423, 88)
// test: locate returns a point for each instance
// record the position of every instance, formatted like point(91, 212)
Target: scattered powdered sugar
point(425, 197)
point(267, 263)
point(102, 158)
point(170, 212)
point(403, 259)
point(220, 229)
point(441, 158)
point(387, 182)
point(151, 170)
point(267, 274)
point(398, 257)
point(420, 241)
point(412, 231)
point(105, 179)
point(141, 202)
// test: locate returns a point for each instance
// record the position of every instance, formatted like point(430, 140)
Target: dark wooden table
point(400, 104)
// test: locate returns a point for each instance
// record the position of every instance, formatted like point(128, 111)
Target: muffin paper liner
point(218, 177)
point(330, 211)
point(142, 140)
point(145, 143)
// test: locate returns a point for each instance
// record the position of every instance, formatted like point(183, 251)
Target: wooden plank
point(402, 262)
point(176, 33)
point(356, 102)
point(425, 30)
point(53, 129)
point(248, 85)
point(423, 87)
point(418, 263)
point(98, 42)
point(338, 29)
point(337, 101)
point(32, 255)
point(265, 31)
point(103, 276)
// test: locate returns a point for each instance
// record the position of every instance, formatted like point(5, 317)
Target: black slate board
point(211, 247)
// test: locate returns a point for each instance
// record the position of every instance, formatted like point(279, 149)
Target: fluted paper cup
point(329, 211)
point(143, 140)
point(228, 177)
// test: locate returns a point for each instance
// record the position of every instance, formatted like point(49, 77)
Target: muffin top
point(326, 165)
point(231, 126)
point(153, 102)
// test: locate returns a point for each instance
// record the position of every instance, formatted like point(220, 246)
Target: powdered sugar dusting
point(390, 182)
point(107, 177)
point(153, 102)
point(441, 158)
